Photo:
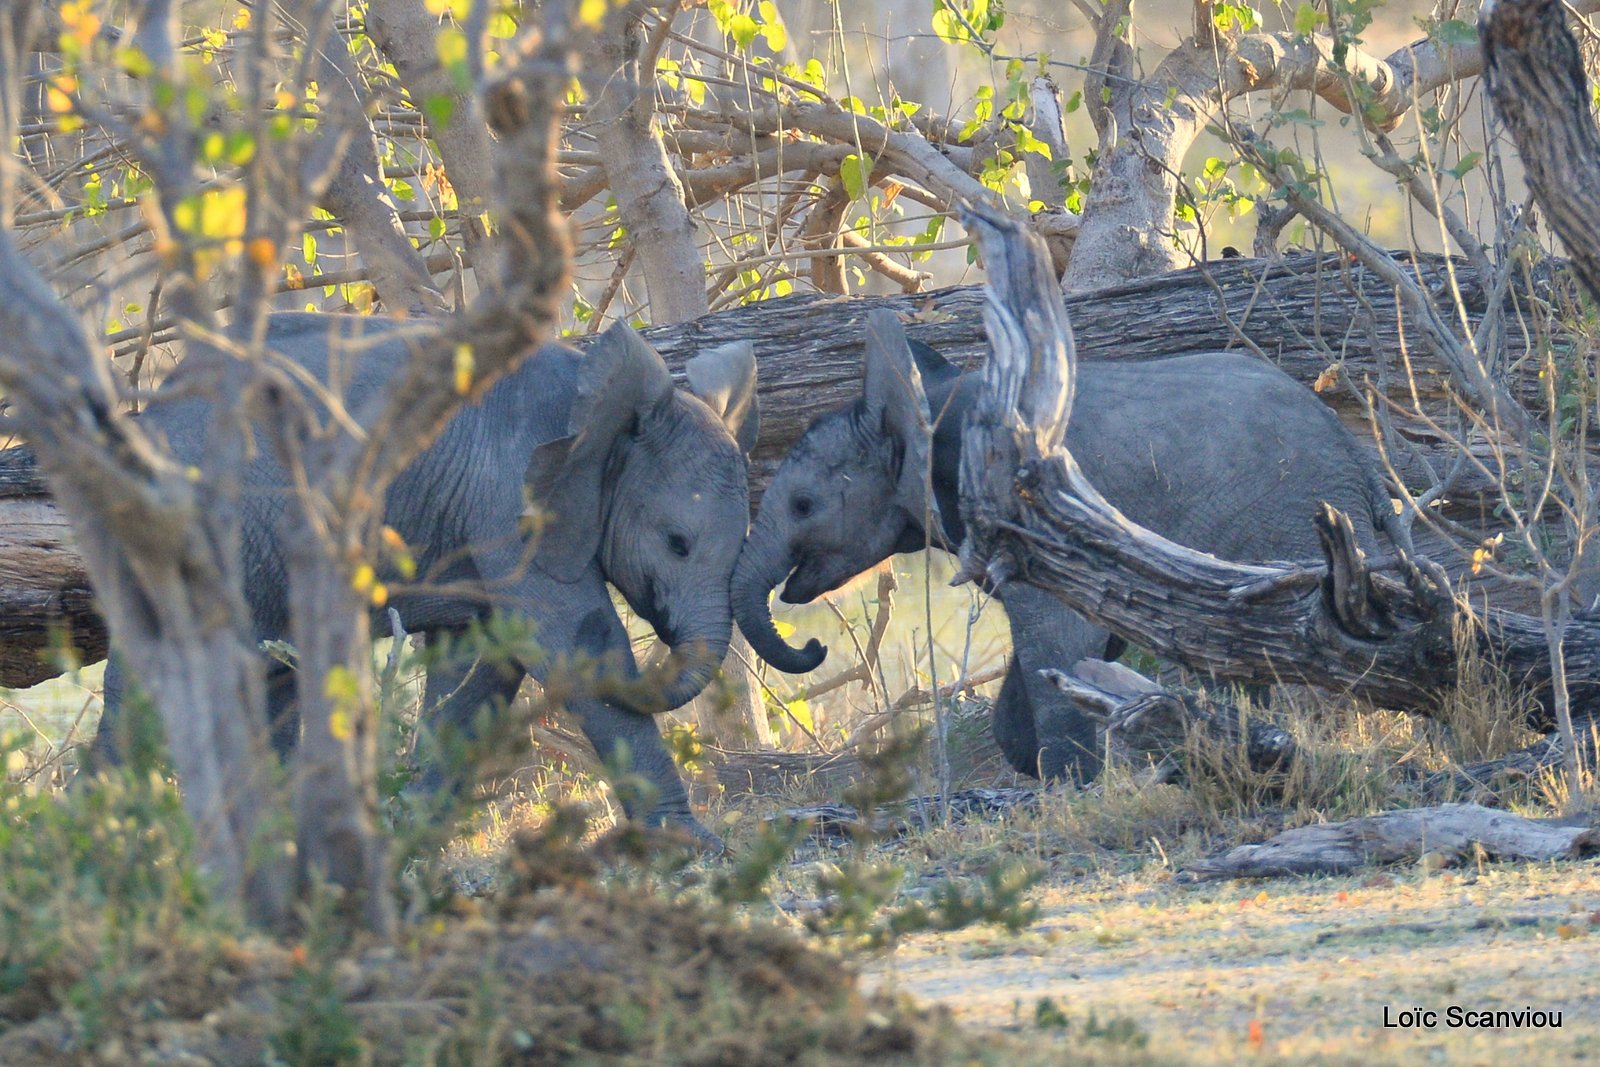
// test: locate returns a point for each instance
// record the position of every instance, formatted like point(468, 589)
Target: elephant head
point(853, 491)
point(653, 481)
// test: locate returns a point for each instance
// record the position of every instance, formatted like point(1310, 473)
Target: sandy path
point(1314, 963)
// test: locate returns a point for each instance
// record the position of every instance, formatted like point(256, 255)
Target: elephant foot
point(690, 831)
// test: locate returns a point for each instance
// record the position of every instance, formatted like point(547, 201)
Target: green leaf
point(439, 109)
point(1027, 142)
point(1307, 18)
point(948, 28)
point(1456, 33)
point(773, 29)
point(743, 29)
point(1468, 161)
point(854, 172)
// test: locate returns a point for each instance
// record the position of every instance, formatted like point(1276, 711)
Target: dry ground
point(1285, 970)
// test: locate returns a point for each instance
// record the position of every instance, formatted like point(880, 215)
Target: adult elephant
point(1217, 451)
point(633, 482)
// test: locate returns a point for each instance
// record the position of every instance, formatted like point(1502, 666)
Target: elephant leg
point(578, 617)
point(1045, 633)
point(111, 748)
point(627, 738)
point(457, 690)
point(283, 711)
point(106, 749)
point(1013, 724)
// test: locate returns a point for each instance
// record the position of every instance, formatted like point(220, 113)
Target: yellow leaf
point(241, 21)
point(292, 278)
point(592, 13)
point(340, 687)
point(340, 725)
point(1326, 380)
point(464, 366)
point(380, 595)
point(393, 540)
point(450, 46)
point(800, 711)
point(216, 213)
point(363, 578)
point(285, 100)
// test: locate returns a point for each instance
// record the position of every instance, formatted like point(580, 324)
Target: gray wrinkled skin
point(1219, 452)
point(646, 486)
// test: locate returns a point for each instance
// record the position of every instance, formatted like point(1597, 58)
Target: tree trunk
point(407, 33)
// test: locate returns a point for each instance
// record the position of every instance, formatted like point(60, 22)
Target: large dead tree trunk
point(1299, 312)
point(1033, 516)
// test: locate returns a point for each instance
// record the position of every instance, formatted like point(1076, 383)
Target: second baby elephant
point(640, 484)
point(1219, 452)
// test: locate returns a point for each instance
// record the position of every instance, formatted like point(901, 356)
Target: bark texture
point(1539, 90)
point(1443, 836)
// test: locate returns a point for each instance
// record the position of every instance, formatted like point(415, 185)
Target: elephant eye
point(801, 506)
point(678, 545)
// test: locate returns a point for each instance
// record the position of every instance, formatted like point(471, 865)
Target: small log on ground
point(842, 822)
point(1033, 516)
point(1147, 725)
point(1448, 835)
point(1484, 782)
point(767, 772)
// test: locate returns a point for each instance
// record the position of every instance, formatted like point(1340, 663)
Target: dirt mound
point(562, 968)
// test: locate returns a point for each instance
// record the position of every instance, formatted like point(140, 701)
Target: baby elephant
point(643, 485)
point(1223, 453)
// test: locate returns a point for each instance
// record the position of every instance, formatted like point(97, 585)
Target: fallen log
point(1443, 836)
point(841, 822)
point(1304, 312)
point(1151, 728)
point(1033, 516)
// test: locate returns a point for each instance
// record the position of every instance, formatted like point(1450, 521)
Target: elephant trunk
point(763, 563)
point(701, 650)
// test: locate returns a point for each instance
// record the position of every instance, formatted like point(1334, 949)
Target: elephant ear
point(619, 380)
point(894, 390)
point(934, 367)
point(725, 378)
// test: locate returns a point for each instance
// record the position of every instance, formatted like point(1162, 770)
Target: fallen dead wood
point(842, 822)
point(1148, 726)
point(1033, 516)
point(1306, 313)
point(767, 772)
point(1446, 835)
point(1486, 781)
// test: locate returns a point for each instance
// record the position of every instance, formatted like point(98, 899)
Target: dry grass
point(1123, 966)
